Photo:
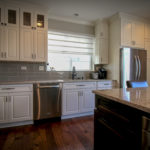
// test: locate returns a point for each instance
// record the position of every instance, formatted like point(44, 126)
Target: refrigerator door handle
point(137, 67)
point(139, 62)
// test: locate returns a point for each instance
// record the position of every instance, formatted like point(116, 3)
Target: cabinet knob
point(2, 24)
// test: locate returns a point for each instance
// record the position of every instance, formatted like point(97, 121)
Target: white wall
point(70, 27)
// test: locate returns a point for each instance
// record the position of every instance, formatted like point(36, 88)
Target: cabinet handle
point(6, 98)
point(2, 24)
point(5, 54)
point(5, 24)
point(2, 54)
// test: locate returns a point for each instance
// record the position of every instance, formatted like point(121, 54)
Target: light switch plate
point(23, 67)
point(41, 68)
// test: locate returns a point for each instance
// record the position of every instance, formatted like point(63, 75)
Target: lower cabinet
point(16, 106)
point(21, 107)
point(78, 100)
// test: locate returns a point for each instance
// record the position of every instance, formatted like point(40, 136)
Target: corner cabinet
point(77, 98)
point(33, 36)
point(9, 33)
point(16, 103)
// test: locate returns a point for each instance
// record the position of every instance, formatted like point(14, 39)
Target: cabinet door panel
point(11, 48)
point(21, 107)
point(88, 101)
point(1, 14)
point(103, 44)
point(41, 45)
point(2, 109)
point(40, 21)
point(138, 34)
point(1, 42)
point(12, 16)
point(26, 44)
point(147, 31)
point(26, 18)
point(126, 32)
point(70, 102)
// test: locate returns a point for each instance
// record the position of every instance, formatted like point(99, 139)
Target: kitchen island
point(121, 119)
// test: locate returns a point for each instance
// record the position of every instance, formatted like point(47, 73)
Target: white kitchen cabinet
point(132, 33)
point(86, 100)
point(2, 108)
point(33, 36)
point(101, 32)
point(101, 29)
point(147, 31)
point(9, 38)
point(16, 103)
point(77, 98)
point(70, 102)
point(102, 48)
point(103, 85)
point(21, 106)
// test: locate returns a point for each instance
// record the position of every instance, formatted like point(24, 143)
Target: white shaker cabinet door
point(2, 109)
point(126, 27)
point(21, 106)
point(26, 44)
point(40, 46)
point(87, 101)
point(70, 102)
point(11, 43)
point(138, 34)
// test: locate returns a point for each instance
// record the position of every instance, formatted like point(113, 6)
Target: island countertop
point(138, 98)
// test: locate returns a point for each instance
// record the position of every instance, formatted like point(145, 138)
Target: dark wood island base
point(117, 126)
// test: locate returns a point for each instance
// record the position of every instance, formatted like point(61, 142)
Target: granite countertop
point(52, 81)
point(138, 98)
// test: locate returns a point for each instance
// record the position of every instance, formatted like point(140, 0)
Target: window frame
point(69, 34)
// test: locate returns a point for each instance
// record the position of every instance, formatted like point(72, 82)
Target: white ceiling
point(90, 10)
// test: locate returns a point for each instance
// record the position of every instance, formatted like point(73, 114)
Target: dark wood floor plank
point(70, 134)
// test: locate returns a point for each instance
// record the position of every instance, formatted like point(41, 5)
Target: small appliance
point(102, 73)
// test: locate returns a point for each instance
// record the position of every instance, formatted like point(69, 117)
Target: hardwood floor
point(71, 134)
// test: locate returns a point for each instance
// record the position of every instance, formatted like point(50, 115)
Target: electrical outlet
point(41, 68)
point(23, 67)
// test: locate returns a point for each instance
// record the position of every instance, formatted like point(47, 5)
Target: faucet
point(74, 73)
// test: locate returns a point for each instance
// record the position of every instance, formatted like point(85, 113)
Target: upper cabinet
point(132, 33)
point(9, 37)
point(33, 36)
point(23, 34)
point(101, 46)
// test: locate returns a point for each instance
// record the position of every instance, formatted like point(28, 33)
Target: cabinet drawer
point(79, 85)
point(104, 84)
point(16, 88)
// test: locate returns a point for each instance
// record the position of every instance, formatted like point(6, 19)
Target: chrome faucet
point(74, 73)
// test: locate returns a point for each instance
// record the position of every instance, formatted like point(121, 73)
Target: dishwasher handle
point(49, 86)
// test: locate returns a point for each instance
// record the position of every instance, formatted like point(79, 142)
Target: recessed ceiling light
point(76, 14)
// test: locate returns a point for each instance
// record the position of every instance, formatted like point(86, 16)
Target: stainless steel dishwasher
point(47, 100)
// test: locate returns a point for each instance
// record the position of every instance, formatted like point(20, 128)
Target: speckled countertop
point(52, 81)
point(135, 97)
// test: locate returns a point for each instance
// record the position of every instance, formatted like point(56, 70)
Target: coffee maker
point(102, 73)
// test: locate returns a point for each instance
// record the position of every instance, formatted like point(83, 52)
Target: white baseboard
point(77, 115)
point(14, 124)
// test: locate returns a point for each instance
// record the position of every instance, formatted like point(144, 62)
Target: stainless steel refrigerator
point(133, 64)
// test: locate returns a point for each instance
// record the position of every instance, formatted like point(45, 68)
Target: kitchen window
point(68, 50)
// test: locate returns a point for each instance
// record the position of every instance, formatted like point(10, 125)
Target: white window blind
point(68, 50)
